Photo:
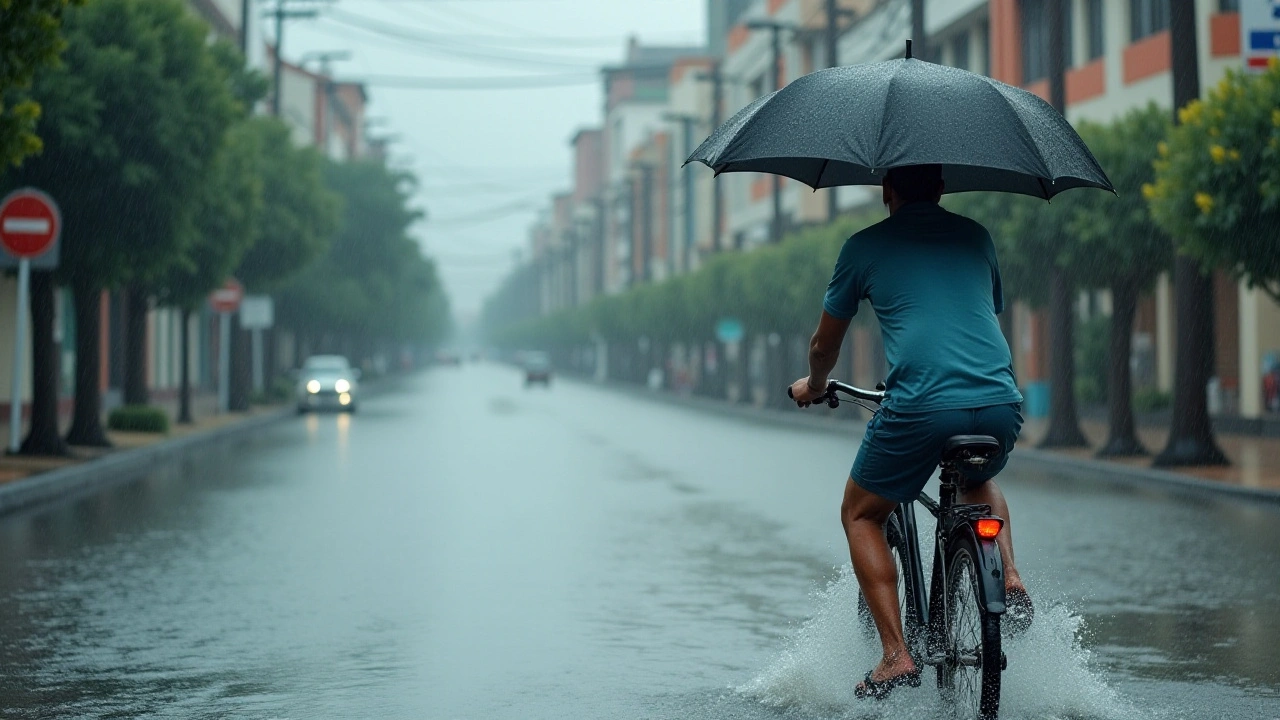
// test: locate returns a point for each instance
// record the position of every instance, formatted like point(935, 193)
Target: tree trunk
point(241, 366)
point(135, 348)
point(184, 373)
point(1064, 426)
point(1122, 440)
point(86, 418)
point(42, 437)
point(1190, 430)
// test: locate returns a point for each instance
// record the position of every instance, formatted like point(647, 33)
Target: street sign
point(29, 228)
point(227, 298)
point(257, 312)
point(729, 330)
point(1260, 33)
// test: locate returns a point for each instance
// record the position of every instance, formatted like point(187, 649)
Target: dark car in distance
point(537, 368)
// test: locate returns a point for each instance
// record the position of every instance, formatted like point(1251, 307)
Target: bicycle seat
point(973, 449)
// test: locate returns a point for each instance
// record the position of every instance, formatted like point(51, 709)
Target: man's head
point(912, 183)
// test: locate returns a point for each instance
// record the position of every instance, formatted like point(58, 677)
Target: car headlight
point(313, 386)
point(342, 386)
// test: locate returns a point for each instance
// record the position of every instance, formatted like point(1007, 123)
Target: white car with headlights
point(327, 382)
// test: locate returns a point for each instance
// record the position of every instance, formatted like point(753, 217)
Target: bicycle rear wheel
point(906, 588)
point(970, 675)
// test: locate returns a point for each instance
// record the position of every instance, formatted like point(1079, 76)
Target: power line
point(514, 82)
point(454, 48)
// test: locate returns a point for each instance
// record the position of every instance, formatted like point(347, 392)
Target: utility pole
point(775, 29)
point(282, 13)
point(834, 12)
point(921, 41)
point(246, 12)
point(646, 220)
point(1191, 439)
point(1064, 424)
point(687, 123)
point(716, 78)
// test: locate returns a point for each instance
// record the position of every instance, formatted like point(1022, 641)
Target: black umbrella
point(847, 125)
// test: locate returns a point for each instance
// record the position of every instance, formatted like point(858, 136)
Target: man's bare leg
point(863, 515)
point(988, 493)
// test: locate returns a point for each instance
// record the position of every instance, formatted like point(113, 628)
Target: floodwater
point(467, 548)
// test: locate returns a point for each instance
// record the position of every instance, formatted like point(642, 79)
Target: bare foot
point(892, 666)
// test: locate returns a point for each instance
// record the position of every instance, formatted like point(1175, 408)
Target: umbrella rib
point(1034, 146)
point(818, 183)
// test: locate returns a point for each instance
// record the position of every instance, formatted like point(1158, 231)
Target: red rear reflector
point(988, 528)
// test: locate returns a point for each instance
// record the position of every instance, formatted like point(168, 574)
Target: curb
point(97, 474)
point(1087, 468)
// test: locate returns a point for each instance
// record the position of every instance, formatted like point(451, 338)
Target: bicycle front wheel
point(970, 674)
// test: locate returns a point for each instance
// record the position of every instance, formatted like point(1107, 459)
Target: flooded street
point(467, 548)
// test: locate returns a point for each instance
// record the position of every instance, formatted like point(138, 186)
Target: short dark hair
point(915, 183)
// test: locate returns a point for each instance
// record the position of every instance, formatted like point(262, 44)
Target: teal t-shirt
point(932, 278)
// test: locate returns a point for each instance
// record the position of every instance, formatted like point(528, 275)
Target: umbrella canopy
point(847, 125)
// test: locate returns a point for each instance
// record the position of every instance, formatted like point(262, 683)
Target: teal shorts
point(901, 450)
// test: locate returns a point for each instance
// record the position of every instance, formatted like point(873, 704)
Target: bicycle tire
point(910, 624)
point(970, 676)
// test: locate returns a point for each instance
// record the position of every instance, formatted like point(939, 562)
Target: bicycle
point(955, 627)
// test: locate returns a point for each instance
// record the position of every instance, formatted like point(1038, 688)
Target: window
point(1228, 6)
point(960, 51)
point(1093, 13)
point(1035, 38)
point(1147, 17)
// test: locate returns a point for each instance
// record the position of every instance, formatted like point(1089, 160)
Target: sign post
point(29, 227)
point(225, 301)
point(257, 313)
point(1260, 33)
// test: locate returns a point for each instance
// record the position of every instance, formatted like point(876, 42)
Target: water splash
point(1049, 673)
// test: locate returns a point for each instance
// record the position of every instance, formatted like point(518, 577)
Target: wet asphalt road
point(465, 548)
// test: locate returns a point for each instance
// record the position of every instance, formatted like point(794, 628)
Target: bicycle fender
point(990, 567)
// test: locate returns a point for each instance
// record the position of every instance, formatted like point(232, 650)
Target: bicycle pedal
point(1004, 661)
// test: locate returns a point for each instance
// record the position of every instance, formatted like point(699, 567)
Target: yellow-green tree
point(1217, 179)
point(30, 39)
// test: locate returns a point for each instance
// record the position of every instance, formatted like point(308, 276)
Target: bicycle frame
point(954, 525)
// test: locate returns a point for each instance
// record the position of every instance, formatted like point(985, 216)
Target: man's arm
point(824, 350)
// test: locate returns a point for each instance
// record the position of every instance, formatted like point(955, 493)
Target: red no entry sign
point(226, 299)
point(29, 223)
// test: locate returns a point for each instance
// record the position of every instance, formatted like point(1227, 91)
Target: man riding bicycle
point(933, 281)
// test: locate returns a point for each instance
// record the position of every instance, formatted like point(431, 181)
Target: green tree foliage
point(372, 286)
point(1217, 180)
point(29, 41)
point(775, 287)
point(131, 120)
point(300, 214)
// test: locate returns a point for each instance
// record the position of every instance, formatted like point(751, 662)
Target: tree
point(1117, 245)
point(225, 225)
point(300, 216)
point(1191, 440)
point(373, 287)
point(129, 120)
point(29, 40)
point(1217, 180)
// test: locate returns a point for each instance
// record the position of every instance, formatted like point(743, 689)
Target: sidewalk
point(1255, 460)
point(1253, 474)
point(204, 408)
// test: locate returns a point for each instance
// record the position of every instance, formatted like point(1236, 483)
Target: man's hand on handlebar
point(804, 394)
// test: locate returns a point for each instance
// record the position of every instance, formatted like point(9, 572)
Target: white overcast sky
point(487, 160)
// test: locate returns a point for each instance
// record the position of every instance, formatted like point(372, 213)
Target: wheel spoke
point(965, 639)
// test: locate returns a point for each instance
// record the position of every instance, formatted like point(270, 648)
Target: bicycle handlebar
point(835, 386)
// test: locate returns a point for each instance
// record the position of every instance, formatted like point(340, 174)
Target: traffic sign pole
point(224, 362)
point(19, 342)
point(29, 228)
